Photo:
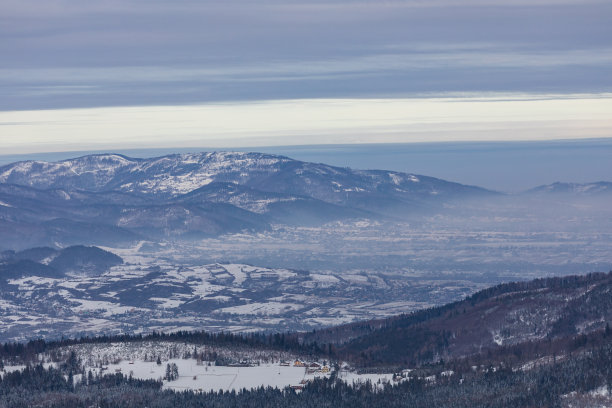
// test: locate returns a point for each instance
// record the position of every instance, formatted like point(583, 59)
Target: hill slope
point(504, 315)
point(47, 262)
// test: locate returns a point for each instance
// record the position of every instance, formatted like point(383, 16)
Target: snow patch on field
point(324, 278)
point(100, 305)
point(602, 391)
point(167, 303)
point(237, 271)
point(269, 308)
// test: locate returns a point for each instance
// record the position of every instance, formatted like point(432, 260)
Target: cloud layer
point(309, 121)
point(69, 53)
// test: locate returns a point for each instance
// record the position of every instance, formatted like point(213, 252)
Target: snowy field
point(214, 378)
point(202, 377)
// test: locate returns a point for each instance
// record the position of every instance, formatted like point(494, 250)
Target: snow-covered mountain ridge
point(112, 200)
point(174, 174)
point(177, 174)
point(195, 195)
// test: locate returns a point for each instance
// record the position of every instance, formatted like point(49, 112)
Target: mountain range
point(576, 189)
point(114, 200)
point(103, 199)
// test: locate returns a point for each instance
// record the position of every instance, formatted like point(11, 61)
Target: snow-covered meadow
point(244, 368)
point(205, 376)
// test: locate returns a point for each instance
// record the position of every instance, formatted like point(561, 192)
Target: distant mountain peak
point(587, 189)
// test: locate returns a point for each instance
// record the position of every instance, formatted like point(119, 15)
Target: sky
point(117, 74)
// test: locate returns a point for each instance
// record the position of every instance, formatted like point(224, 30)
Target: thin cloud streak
point(351, 65)
point(62, 8)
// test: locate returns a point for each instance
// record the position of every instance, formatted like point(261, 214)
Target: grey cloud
point(135, 51)
point(264, 71)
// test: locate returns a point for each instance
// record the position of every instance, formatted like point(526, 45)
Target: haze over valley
point(250, 241)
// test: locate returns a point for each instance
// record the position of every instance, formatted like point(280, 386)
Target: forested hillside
point(570, 364)
point(505, 315)
point(583, 380)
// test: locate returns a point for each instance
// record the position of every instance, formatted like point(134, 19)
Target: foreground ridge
point(563, 368)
